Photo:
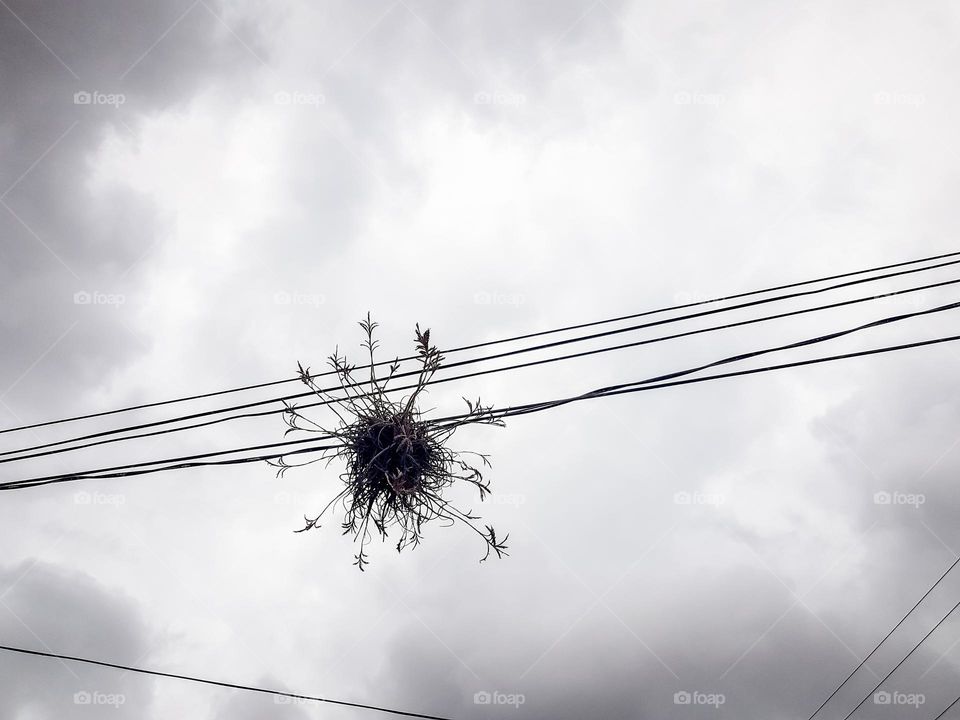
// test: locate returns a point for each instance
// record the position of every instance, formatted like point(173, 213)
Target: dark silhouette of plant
point(398, 464)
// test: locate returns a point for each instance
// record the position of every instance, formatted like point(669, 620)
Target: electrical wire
point(118, 472)
point(32, 452)
point(885, 638)
point(219, 683)
point(4, 456)
point(649, 384)
point(536, 407)
point(905, 658)
point(488, 343)
point(655, 379)
point(948, 708)
point(736, 358)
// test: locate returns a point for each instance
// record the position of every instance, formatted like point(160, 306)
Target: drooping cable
point(218, 683)
point(120, 471)
point(488, 343)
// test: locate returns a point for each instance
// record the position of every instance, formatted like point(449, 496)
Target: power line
point(515, 338)
point(118, 472)
point(905, 658)
point(741, 373)
point(4, 456)
point(218, 683)
point(948, 708)
point(183, 463)
point(647, 381)
point(885, 638)
point(274, 383)
point(613, 389)
point(447, 366)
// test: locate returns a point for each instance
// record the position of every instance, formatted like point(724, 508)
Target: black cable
point(218, 683)
point(122, 471)
point(517, 410)
point(491, 342)
point(885, 638)
point(4, 456)
point(610, 390)
point(536, 407)
point(782, 366)
point(948, 708)
point(647, 381)
point(905, 658)
point(447, 366)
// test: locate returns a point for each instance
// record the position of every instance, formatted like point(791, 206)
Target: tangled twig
point(397, 464)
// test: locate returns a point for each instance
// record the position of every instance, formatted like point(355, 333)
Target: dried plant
point(397, 464)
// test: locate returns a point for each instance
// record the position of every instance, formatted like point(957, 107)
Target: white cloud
point(684, 149)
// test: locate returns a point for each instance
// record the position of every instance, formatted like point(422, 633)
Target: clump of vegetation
point(397, 464)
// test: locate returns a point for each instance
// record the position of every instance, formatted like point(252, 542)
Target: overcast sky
point(199, 194)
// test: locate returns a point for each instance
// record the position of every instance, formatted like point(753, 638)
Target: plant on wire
point(397, 465)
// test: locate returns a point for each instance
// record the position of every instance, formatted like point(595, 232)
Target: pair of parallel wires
point(676, 378)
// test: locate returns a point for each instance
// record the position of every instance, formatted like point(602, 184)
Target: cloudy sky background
point(276, 170)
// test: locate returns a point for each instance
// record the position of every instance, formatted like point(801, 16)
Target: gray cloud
point(246, 706)
point(47, 607)
point(60, 236)
point(617, 155)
